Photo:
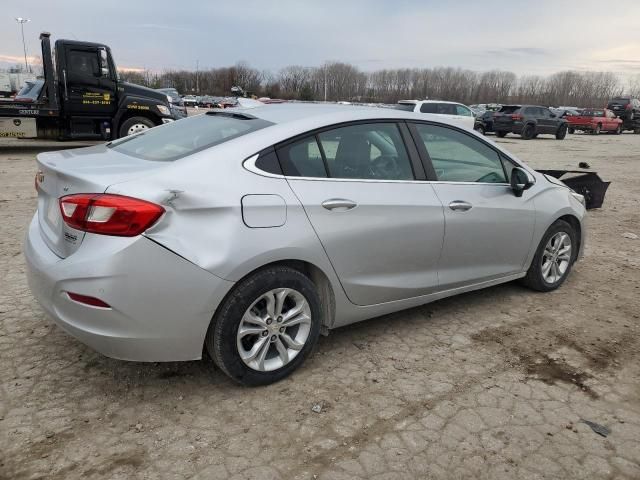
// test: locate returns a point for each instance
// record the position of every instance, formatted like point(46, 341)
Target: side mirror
point(521, 180)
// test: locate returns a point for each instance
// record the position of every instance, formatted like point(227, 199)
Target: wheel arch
point(314, 273)
point(577, 227)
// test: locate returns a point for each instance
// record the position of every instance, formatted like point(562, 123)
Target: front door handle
point(339, 204)
point(459, 205)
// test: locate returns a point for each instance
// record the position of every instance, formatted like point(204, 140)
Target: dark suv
point(529, 121)
point(628, 110)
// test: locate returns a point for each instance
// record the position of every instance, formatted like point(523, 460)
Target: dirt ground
point(493, 385)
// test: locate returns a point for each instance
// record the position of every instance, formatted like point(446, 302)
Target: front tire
point(561, 133)
point(266, 326)
point(553, 259)
point(134, 125)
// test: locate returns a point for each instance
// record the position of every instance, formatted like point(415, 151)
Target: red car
point(595, 120)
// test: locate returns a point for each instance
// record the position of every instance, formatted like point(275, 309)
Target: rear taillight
point(516, 116)
point(108, 214)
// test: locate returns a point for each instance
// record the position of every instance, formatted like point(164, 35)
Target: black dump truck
point(83, 98)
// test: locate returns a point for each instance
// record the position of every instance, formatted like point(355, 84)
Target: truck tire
point(528, 131)
point(134, 125)
point(561, 133)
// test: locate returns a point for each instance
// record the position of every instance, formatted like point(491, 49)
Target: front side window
point(188, 136)
point(373, 151)
point(463, 111)
point(458, 157)
point(84, 63)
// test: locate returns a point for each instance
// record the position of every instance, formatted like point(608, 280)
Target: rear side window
point(302, 159)
point(187, 136)
point(373, 151)
point(458, 157)
point(429, 108)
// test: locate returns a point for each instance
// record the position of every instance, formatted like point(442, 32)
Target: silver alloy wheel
point(274, 329)
point(137, 128)
point(556, 257)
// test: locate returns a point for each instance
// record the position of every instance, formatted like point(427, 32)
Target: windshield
point(187, 136)
point(593, 113)
point(509, 108)
point(407, 107)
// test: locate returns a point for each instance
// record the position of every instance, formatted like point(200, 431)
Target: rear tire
point(536, 279)
point(135, 125)
point(253, 306)
point(528, 131)
point(561, 133)
point(479, 129)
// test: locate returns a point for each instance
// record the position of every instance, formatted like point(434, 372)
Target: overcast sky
point(539, 37)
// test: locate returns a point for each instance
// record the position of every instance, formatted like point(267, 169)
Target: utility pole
point(22, 21)
point(325, 82)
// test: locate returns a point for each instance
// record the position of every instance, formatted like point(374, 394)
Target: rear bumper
point(161, 303)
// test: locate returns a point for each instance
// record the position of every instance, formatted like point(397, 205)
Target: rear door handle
point(459, 205)
point(339, 204)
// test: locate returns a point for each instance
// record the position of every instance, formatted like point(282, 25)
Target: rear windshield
point(407, 107)
point(621, 101)
point(509, 108)
point(187, 136)
point(593, 113)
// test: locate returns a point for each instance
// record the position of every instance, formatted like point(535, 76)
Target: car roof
point(328, 114)
point(415, 102)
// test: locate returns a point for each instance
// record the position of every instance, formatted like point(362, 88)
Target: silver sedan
point(247, 233)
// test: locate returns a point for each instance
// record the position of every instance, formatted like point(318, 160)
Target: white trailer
point(5, 84)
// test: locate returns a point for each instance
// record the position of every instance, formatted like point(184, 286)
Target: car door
point(381, 228)
point(546, 122)
point(488, 230)
point(465, 116)
point(90, 87)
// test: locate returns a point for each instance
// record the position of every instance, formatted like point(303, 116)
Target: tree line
point(337, 81)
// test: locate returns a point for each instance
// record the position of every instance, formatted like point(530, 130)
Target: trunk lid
point(86, 170)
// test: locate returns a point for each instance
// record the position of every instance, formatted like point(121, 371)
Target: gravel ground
point(487, 385)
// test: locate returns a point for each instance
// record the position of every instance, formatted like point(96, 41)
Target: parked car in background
point(456, 112)
point(119, 222)
point(564, 112)
point(190, 100)
point(529, 121)
point(175, 101)
point(626, 108)
point(484, 122)
point(30, 92)
point(595, 120)
point(207, 101)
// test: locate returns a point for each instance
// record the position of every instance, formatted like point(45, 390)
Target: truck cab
point(84, 98)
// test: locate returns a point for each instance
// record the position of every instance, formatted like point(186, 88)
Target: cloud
point(517, 51)
point(18, 58)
